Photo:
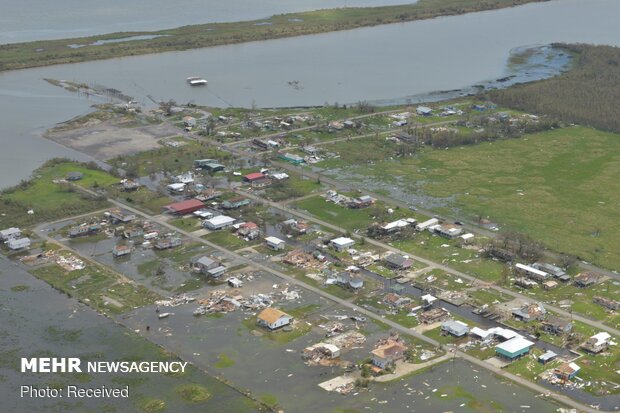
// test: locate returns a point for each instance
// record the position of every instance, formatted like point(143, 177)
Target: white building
point(342, 243)
point(18, 243)
point(7, 234)
point(427, 224)
point(275, 243)
point(531, 272)
point(396, 225)
point(272, 318)
point(185, 178)
point(218, 222)
point(178, 187)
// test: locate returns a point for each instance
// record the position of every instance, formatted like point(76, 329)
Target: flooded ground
point(276, 370)
point(39, 321)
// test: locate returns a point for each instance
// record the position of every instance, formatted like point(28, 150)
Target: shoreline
point(17, 56)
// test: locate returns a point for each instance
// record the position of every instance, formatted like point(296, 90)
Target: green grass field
point(561, 187)
point(51, 200)
point(98, 287)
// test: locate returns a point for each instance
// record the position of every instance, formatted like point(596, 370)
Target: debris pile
point(70, 263)
point(175, 301)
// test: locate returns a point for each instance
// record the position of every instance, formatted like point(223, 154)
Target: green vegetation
point(487, 296)
point(581, 95)
point(224, 362)
point(98, 287)
point(269, 399)
point(49, 52)
point(522, 184)
point(20, 288)
point(186, 224)
point(152, 405)
point(168, 159)
point(348, 218)
point(194, 393)
point(299, 329)
point(49, 200)
point(473, 401)
point(293, 187)
point(149, 201)
point(53, 333)
point(302, 311)
point(228, 240)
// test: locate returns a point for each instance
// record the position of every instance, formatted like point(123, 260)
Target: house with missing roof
point(385, 355)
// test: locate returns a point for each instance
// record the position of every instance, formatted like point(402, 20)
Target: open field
point(97, 286)
point(42, 53)
point(166, 158)
point(560, 186)
point(50, 200)
point(348, 218)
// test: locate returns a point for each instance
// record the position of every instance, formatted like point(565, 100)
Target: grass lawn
point(166, 158)
point(186, 224)
point(441, 250)
point(529, 367)
point(488, 296)
point(51, 200)
point(347, 218)
point(143, 198)
point(442, 280)
point(522, 183)
point(98, 287)
point(293, 187)
point(581, 299)
point(300, 329)
point(183, 254)
point(228, 240)
point(224, 361)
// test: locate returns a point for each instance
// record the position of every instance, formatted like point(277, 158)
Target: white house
point(9, 233)
point(275, 243)
point(272, 318)
point(185, 178)
point(18, 243)
point(531, 272)
point(342, 243)
point(209, 266)
point(177, 187)
point(427, 224)
point(218, 222)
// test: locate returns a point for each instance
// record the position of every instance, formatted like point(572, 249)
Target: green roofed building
point(514, 348)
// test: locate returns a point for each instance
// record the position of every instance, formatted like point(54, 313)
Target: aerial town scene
point(336, 206)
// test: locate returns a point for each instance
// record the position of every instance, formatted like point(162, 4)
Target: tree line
point(587, 94)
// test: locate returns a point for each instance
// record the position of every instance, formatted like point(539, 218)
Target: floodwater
point(28, 20)
point(440, 54)
point(38, 321)
point(277, 370)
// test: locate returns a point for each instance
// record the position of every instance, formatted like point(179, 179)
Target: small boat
point(163, 315)
point(196, 81)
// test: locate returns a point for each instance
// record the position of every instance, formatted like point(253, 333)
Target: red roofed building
point(256, 176)
point(185, 207)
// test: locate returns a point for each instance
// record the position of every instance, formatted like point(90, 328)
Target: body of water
point(27, 20)
point(379, 63)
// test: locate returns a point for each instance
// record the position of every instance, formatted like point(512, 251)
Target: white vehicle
point(196, 81)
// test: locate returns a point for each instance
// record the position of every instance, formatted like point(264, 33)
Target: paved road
point(443, 267)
